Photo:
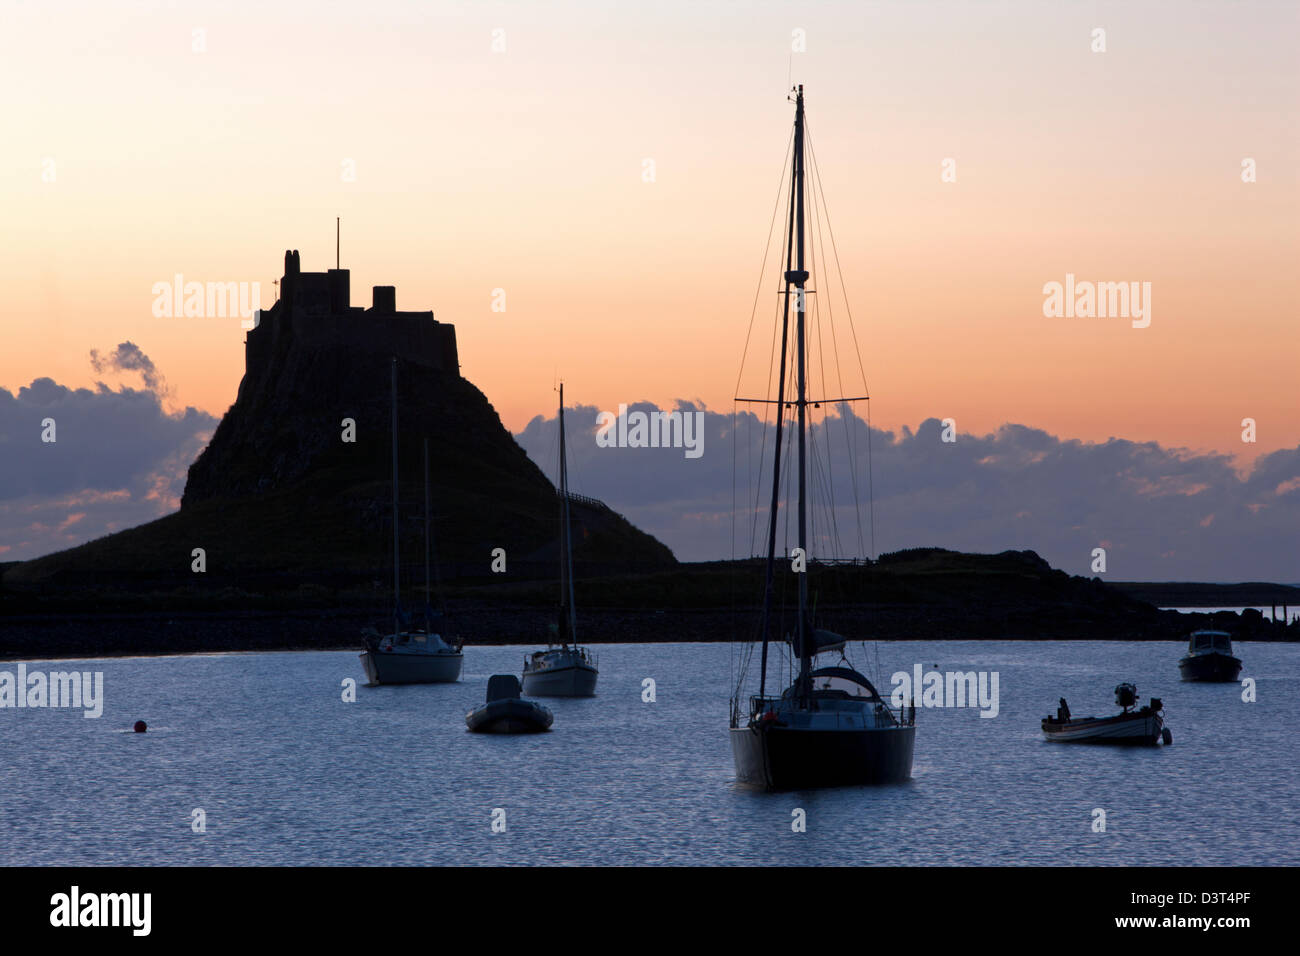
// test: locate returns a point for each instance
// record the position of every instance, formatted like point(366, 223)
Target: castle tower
point(315, 311)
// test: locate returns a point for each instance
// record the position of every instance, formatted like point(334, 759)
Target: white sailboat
point(564, 669)
point(408, 656)
point(830, 727)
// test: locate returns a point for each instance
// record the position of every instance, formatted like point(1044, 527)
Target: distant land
point(1192, 594)
point(920, 594)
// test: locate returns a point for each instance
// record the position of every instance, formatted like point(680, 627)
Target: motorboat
point(1209, 658)
point(1132, 726)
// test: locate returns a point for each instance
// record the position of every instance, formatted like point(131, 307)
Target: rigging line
point(821, 359)
point(853, 454)
point(771, 363)
point(822, 470)
point(830, 231)
point(731, 662)
point(850, 444)
point(755, 476)
point(871, 487)
point(767, 248)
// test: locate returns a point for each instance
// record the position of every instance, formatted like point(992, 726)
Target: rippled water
point(288, 773)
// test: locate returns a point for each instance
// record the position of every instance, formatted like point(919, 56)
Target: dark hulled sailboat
point(830, 727)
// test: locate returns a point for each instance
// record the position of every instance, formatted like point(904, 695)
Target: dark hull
point(778, 758)
point(1219, 668)
point(512, 716)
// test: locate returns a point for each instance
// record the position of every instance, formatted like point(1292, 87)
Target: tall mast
point(397, 577)
point(780, 431)
point(800, 278)
point(566, 540)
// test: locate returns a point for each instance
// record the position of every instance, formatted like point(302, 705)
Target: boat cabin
point(1210, 642)
point(838, 683)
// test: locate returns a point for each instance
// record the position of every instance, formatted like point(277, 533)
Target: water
point(288, 773)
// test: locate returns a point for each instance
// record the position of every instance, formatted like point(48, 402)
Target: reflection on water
point(288, 773)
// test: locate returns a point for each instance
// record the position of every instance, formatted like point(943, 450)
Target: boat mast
point(800, 277)
point(776, 458)
point(397, 578)
point(568, 617)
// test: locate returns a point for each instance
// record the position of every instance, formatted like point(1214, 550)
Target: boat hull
point(1216, 668)
point(511, 716)
point(386, 667)
point(784, 758)
point(574, 680)
point(1121, 730)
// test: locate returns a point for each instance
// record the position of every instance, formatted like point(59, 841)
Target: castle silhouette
point(315, 309)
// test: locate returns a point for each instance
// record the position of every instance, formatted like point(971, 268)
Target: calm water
point(290, 774)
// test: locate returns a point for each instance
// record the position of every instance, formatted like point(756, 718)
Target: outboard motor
point(1126, 695)
point(1156, 705)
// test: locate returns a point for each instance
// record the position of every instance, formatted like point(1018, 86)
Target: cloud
point(128, 357)
point(119, 458)
point(1163, 513)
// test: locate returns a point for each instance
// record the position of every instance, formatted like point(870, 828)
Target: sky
point(607, 172)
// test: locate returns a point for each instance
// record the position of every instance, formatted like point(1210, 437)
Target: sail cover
point(823, 642)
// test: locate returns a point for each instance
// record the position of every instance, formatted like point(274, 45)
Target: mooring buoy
point(141, 726)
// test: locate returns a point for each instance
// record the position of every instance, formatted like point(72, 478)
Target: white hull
point(1132, 729)
point(415, 663)
point(561, 673)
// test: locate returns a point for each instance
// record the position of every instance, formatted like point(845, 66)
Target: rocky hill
point(280, 500)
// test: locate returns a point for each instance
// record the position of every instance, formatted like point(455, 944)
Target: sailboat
point(830, 727)
point(564, 669)
point(409, 656)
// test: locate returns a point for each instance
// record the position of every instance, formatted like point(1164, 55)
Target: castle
point(315, 309)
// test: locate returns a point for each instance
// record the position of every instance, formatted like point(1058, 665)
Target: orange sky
point(522, 170)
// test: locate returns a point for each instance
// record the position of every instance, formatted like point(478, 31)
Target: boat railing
point(884, 714)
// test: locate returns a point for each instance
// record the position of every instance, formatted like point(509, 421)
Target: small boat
point(564, 669)
point(561, 672)
point(505, 712)
point(408, 656)
point(1209, 658)
point(411, 657)
point(1132, 726)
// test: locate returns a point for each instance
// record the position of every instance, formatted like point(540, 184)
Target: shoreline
point(169, 633)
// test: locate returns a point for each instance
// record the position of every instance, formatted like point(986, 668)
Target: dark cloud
point(119, 457)
point(1161, 513)
point(128, 357)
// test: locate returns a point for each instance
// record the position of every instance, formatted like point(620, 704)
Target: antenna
point(337, 229)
